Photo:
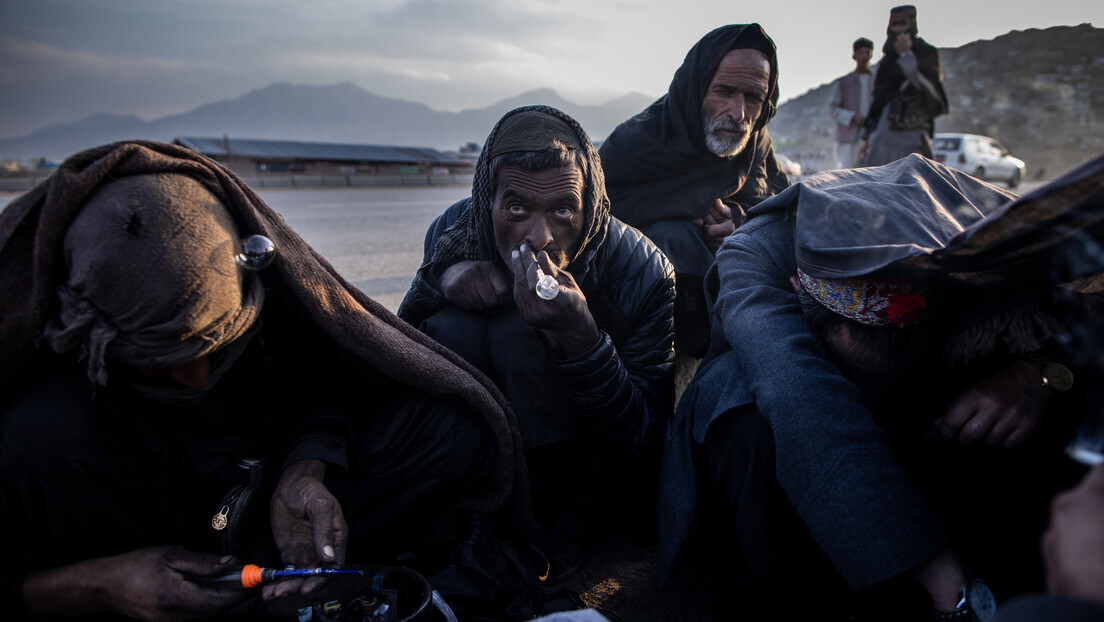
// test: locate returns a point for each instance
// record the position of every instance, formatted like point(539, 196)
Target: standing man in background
point(850, 102)
point(908, 94)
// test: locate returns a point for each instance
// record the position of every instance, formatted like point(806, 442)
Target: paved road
point(373, 236)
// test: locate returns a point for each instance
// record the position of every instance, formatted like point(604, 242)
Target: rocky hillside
point(1039, 92)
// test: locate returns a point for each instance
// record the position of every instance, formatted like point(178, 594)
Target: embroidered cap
point(867, 300)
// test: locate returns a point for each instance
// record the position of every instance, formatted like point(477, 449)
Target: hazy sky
point(62, 60)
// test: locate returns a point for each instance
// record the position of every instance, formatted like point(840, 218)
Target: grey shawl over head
point(33, 227)
point(529, 128)
point(921, 220)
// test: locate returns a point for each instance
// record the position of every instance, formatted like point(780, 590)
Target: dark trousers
point(569, 476)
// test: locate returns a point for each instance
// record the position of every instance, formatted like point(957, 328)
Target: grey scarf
point(529, 128)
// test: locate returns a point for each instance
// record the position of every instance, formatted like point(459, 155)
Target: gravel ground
point(620, 578)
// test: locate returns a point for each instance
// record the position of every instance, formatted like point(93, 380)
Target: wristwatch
point(976, 603)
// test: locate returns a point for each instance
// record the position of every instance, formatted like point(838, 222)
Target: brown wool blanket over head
point(33, 229)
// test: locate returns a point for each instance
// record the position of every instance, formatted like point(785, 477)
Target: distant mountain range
point(340, 113)
point(1039, 91)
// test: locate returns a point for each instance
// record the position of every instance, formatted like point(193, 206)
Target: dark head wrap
point(913, 29)
point(528, 129)
point(657, 164)
point(33, 229)
point(152, 278)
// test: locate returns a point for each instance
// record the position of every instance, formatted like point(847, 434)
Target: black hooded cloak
point(659, 169)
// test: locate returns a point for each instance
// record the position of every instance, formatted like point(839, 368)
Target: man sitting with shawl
point(158, 375)
point(888, 410)
point(685, 169)
point(566, 308)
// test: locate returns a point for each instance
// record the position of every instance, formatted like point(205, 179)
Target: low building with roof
point(270, 163)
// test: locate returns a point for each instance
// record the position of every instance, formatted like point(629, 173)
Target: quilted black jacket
point(625, 384)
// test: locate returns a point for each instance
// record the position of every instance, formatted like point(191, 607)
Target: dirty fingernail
point(328, 551)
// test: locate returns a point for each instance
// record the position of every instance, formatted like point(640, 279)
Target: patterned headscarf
point(867, 300)
point(529, 128)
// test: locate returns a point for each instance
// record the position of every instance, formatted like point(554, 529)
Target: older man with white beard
point(685, 169)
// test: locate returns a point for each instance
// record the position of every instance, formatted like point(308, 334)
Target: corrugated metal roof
point(331, 152)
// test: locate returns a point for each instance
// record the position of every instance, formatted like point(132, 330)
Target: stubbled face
point(734, 100)
point(543, 209)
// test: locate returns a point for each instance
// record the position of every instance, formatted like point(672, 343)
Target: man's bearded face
point(733, 101)
point(725, 137)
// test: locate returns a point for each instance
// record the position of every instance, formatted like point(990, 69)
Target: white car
point(980, 156)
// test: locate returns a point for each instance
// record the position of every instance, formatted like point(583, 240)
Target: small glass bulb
point(547, 286)
point(257, 253)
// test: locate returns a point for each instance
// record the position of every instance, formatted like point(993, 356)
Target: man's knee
point(461, 331)
point(427, 438)
point(739, 448)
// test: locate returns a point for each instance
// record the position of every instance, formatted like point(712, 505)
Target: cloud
point(454, 31)
point(30, 62)
point(41, 84)
point(426, 49)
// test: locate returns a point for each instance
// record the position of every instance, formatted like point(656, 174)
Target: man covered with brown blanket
point(160, 383)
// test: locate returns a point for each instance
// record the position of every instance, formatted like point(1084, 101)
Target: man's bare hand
point(567, 315)
point(716, 225)
point(307, 524)
point(1002, 408)
point(146, 584)
point(903, 43)
point(476, 285)
point(1073, 545)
